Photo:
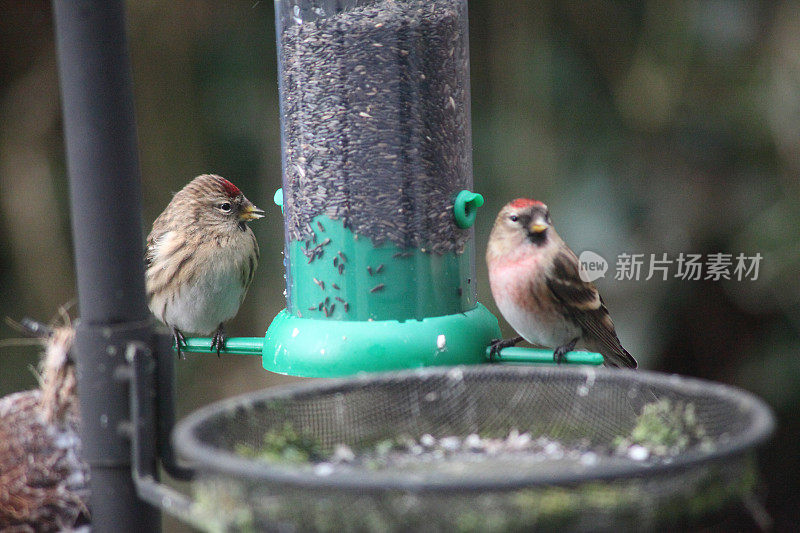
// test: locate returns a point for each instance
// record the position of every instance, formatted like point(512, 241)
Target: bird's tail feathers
point(619, 357)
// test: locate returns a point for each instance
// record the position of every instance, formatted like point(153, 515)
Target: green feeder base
point(320, 348)
point(332, 348)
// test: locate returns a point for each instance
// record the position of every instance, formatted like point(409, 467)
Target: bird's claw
point(560, 353)
point(180, 341)
point(494, 350)
point(218, 340)
point(498, 344)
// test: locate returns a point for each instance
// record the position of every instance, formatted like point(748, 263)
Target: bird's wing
point(150, 248)
point(583, 302)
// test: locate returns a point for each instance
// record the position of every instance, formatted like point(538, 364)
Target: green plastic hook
point(465, 208)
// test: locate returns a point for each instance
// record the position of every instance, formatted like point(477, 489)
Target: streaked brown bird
point(535, 280)
point(200, 259)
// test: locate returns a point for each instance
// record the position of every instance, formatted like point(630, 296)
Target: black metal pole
point(100, 133)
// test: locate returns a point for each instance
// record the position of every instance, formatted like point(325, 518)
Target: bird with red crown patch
point(200, 259)
point(535, 280)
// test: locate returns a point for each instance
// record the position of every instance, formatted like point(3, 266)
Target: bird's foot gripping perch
point(560, 353)
point(180, 341)
point(499, 344)
point(218, 340)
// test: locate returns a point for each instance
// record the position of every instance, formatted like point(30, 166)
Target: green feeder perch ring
point(319, 348)
point(465, 208)
point(278, 198)
point(389, 352)
point(521, 355)
point(233, 346)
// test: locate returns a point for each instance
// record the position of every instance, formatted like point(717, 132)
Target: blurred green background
point(648, 127)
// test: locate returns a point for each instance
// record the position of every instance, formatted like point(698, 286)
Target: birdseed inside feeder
point(377, 173)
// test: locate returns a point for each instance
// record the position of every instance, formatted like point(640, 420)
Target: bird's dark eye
point(225, 207)
point(514, 218)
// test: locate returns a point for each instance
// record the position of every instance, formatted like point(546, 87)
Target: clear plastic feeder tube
point(376, 146)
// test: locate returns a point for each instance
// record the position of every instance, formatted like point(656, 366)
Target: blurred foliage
point(648, 127)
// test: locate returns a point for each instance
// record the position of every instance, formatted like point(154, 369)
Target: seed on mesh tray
point(589, 459)
point(332, 307)
point(343, 454)
point(638, 452)
point(339, 298)
point(336, 260)
point(473, 442)
point(369, 269)
point(325, 242)
point(518, 441)
point(320, 283)
point(335, 286)
point(377, 288)
point(358, 148)
point(346, 307)
point(341, 268)
point(325, 310)
point(313, 308)
point(320, 226)
point(341, 255)
point(427, 440)
point(379, 269)
point(402, 254)
point(450, 444)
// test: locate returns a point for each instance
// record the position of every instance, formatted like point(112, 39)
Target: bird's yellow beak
point(538, 226)
point(250, 212)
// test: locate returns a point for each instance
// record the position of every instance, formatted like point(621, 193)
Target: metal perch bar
point(510, 355)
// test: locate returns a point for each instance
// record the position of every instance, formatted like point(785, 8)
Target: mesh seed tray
point(488, 448)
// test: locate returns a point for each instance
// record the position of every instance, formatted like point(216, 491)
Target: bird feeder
point(377, 179)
